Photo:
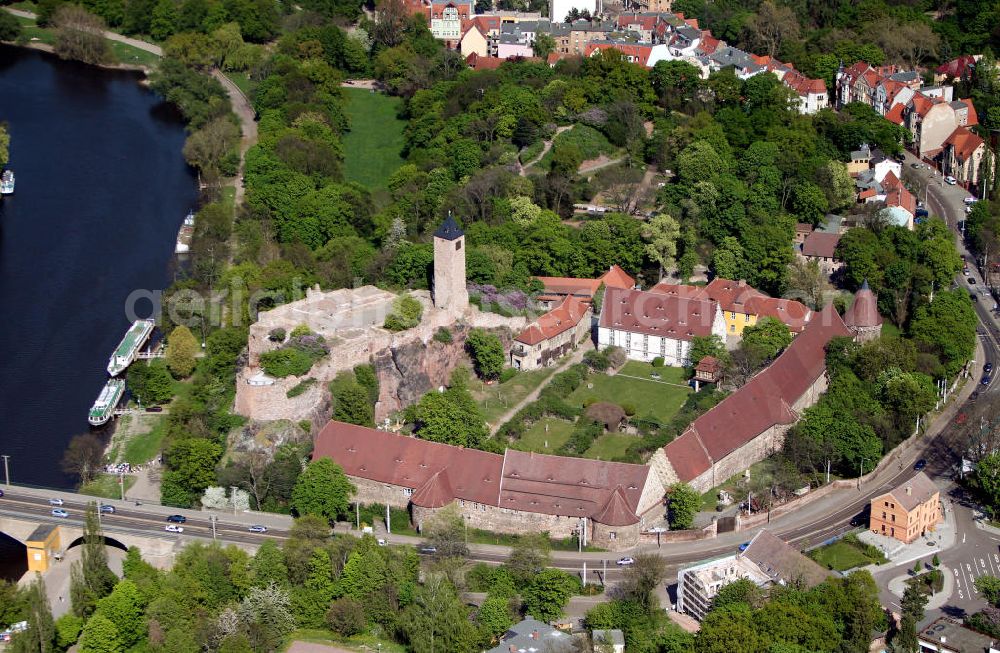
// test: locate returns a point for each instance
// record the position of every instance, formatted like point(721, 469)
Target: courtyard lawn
point(536, 437)
point(372, 147)
point(610, 446)
point(845, 554)
point(498, 398)
point(633, 385)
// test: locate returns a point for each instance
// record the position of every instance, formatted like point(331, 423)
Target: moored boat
point(185, 234)
point(7, 182)
point(104, 408)
point(129, 347)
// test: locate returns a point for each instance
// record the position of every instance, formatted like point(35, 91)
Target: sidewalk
point(942, 539)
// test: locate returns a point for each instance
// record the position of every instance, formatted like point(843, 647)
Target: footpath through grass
point(373, 145)
point(123, 53)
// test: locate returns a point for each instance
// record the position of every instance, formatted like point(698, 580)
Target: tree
point(547, 594)
point(351, 402)
point(268, 566)
point(322, 489)
point(266, 615)
point(702, 346)
point(181, 350)
point(684, 503)
point(124, 608)
point(451, 417)
point(836, 183)
point(494, 618)
point(487, 353)
point(150, 383)
point(743, 590)
point(948, 324)
point(163, 20)
point(41, 633)
point(989, 587)
point(436, 621)
point(83, 457)
point(808, 284)
point(91, 578)
point(662, 232)
point(905, 639)
point(988, 479)
point(190, 469)
point(642, 578)
point(10, 30)
point(528, 556)
point(445, 531)
point(544, 45)
point(100, 636)
point(208, 146)
point(809, 202)
point(729, 260)
point(767, 337)
point(80, 35)
point(346, 617)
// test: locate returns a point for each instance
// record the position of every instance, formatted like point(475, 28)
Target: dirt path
point(600, 162)
point(111, 36)
point(573, 358)
point(244, 110)
point(545, 150)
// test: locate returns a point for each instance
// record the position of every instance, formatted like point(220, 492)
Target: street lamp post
point(213, 519)
point(861, 471)
point(6, 469)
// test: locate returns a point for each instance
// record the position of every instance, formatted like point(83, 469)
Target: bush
point(276, 335)
point(443, 335)
point(589, 401)
point(346, 617)
point(301, 330)
point(406, 314)
point(629, 408)
point(616, 356)
point(657, 362)
point(597, 360)
point(294, 358)
point(507, 374)
point(301, 387)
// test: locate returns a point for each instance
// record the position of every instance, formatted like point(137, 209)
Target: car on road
point(1, 493)
point(973, 296)
point(428, 550)
point(915, 166)
point(106, 509)
point(966, 272)
point(988, 367)
point(177, 519)
point(968, 209)
point(974, 396)
point(920, 464)
point(743, 547)
point(625, 562)
point(951, 181)
point(59, 512)
point(257, 528)
point(173, 528)
point(986, 379)
point(971, 199)
point(56, 502)
point(972, 281)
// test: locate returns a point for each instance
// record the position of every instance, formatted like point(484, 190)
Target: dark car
point(986, 379)
point(1, 493)
point(988, 367)
point(743, 547)
point(428, 550)
point(105, 508)
point(974, 396)
point(972, 281)
point(920, 464)
point(973, 297)
point(177, 519)
point(154, 409)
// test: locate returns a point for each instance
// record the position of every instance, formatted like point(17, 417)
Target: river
point(102, 188)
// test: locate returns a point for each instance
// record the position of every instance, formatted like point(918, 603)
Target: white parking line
point(993, 559)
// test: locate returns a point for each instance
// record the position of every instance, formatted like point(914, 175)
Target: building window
point(458, 245)
point(407, 492)
point(612, 535)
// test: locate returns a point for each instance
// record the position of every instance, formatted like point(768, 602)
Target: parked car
point(177, 519)
point(257, 528)
point(657, 529)
point(154, 409)
point(915, 166)
point(428, 550)
point(974, 297)
point(106, 509)
point(972, 281)
point(59, 512)
point(951, 181)
point(920, 464)
point(56, 502)
point(974, 396)
point(625, 562)
point(988, 367)
point(173, 528)
point(971, 199)
point(986, 379)
point(743, 547)
point(966, 272)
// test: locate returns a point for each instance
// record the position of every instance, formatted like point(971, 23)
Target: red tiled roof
point(657, 314)
point(616, 277)
point(679, 290)
point(866, 193)
point(409, 462)
point(956, 67)
point(645, 22)
point(738, 297)
point(803, 227)
point(616, 512)
point(820, 243)
point(795, 315)
point(561, 318)
point(973, 117)
point(890, 181)
point(964, 142)
point(763, 402)
point(734, 296)
point(709, 364)
point(709, 44)
point(524, 481)
point(895, 114)
point(864, 310)
point(639, 53)
point(902, 198)
point(477, 62)
point(569, 286)
point(803, 85)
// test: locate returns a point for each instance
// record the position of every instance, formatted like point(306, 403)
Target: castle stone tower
point(450, 292)
point(863, 318)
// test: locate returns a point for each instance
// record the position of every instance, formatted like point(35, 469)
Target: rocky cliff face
point(410, 370)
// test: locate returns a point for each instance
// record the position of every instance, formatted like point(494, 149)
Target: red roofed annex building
point(750, 424)
point(558, 287)
point(517, 492)
point(552, 335)
point(962, 156)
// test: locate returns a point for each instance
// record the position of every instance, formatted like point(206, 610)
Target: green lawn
point(496, 399)
point(372, 146)
point(106, 486)
point(144, 447)
point(242, 81)
point(128, 54)
point(609, 446)
point(477, 536)
point(842, 555)
point(34, 33)
point(634, 385)
point(363, 642)
point(536, 437)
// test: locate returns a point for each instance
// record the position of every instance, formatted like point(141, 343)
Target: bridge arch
point(13, 557)
point(108, 541)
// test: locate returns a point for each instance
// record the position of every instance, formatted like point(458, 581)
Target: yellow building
point(43, 544)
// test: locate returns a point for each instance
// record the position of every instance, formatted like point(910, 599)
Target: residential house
point(767, 560)
point(908, 511)
point(742, 305)
point(511, 46)
point(556, 288)
point(821, 246)
point(446, 19)
point(650, 325)
point(900, 204)
point(930, 121)
point(708, 370)
point(812, 93)
point(962, 156)
point(944, 635)
point(477, 62)
point(860, 160)
point(959, 68)
point(530, 635)
point(516, 492)
point(552, 335)
point(802, 230)
point(750, 424)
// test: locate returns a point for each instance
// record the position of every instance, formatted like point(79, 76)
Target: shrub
point(346, 617)
point(301, 330)
point(589, 401)
point(597, 360)
point(443, 335)
point(616, 356)
point(276, 335)
point(657, 362)
point(406, 314)
point(629, 408)
point(507, 374)
point(294, 358)
point(301, 387)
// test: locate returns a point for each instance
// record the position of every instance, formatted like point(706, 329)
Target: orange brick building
point(909, 511)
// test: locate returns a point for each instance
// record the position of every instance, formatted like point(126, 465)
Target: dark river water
point(102, 188)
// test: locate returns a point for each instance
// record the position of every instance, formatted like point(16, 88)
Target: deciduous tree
point(684, 503)
point(322, 489)
point(662, 233)
point(181, 350)
point(83, 457)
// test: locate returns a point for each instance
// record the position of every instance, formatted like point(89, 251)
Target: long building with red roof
point(517, 492)
point(552, 335)
point(750, 424)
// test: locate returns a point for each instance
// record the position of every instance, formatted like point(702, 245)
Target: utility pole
point(6, 470)
point(827, 471)
point(584, 573)
point(861, 471)
point(388, 521)
point(357, 516)
point(232, 496)
point(121, 485)
point(213, 519)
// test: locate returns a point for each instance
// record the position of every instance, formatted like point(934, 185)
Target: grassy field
point(362, 642)
point(536, 437)
point(242, 82)
point(372, 147)
point(123, 53)
point(34, 33)
point(477, 536)
point(843, 555)
point(495, 400)
point(144, 447)
point(106, 486)
point(634, 385)
point(609, 446)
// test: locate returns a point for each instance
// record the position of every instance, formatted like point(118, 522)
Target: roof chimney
point(909, 490)
point(513, 649)
point(534, 634)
